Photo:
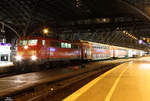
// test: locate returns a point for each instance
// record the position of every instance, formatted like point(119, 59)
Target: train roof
point(42, 37)
point(107, 45)
point(76, 41)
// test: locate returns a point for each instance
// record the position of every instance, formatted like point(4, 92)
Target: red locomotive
point(45, 49)
point(41, 49)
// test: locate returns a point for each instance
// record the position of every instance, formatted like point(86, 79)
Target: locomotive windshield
point(32, 42)
point(23, 42)
point(28, 42)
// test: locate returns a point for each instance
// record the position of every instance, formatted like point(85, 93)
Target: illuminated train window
point(43, 42)
point(23, 42)
point(65, 45)
point(32, 42)
point(69, 46)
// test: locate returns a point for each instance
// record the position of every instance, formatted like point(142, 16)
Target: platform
point(5, 67)
point(5, 64)
point(127, 82)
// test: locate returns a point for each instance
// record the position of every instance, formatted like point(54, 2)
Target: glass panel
point(43, 42)
point(66, 44)
point(32, 42)
point(23, 42)
point(69, 45)
point(63, 45)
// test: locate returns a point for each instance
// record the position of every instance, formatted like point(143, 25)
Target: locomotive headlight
point(34, 57)
point(18, 58)
point(25, 47)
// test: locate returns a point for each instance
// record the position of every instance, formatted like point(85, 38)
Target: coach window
point(43, 42)
point(63, 45)
point(66, 45)
point(23, 42)
point(69, 45)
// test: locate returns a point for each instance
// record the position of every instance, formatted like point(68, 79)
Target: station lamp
point(148, 40)
point(124, 31)
point(45, 31)
point(140, 41)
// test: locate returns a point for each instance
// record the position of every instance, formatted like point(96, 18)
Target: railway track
point(47, 88)
point(44, 88)
point(12, 70)
point(55, 89)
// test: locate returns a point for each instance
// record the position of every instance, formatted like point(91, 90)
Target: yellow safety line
point(110, 93)
point(82, 90)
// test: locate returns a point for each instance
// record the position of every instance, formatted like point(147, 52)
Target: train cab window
point(66, 45)
point(23, 42)
point(43, 42)
point(32, 42)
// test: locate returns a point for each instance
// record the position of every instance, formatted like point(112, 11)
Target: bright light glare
point(140, 41)
point(25, 47)
point(18, 81)
point(45, 31)
point(5, 64)
point(145, 66)
point(18, 58)
point(33, 57)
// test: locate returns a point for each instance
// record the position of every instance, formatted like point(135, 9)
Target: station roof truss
point(77, 16)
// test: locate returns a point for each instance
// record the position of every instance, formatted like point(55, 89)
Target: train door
point(87, 51)
point(111, 51)
point(115, 52)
